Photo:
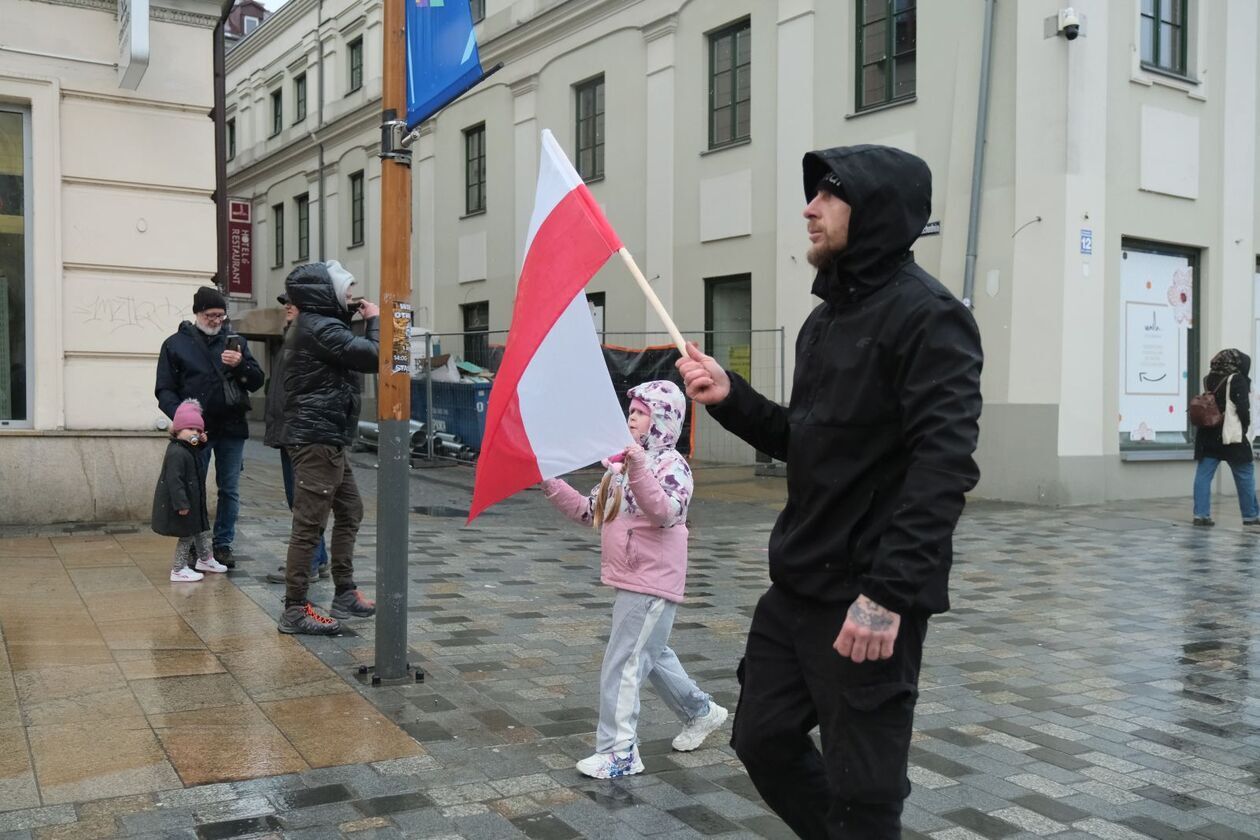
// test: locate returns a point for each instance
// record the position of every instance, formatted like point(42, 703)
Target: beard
point(209, 330)
point(821, 256)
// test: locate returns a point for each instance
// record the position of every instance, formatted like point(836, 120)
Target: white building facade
point(107, 227)
point(1118, 190)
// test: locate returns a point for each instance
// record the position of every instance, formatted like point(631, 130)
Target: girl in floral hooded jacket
point(640, 507)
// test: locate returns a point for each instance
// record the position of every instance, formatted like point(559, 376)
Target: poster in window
point(1155, 314)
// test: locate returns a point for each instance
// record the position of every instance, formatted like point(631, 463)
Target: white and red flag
point(552, 408)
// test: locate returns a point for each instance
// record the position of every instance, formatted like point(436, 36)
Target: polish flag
point(552, 408)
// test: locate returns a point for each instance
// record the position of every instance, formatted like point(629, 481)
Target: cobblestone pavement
point(1094, 679)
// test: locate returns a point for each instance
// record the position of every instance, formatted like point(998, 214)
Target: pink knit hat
point(188, 416)
point(635, 402)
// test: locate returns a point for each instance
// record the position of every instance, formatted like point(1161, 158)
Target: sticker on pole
point(400, 346)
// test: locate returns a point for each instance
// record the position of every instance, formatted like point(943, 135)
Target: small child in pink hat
point(179, 501)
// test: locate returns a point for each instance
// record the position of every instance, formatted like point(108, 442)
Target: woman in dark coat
point(1228, 372)
point(179, 500)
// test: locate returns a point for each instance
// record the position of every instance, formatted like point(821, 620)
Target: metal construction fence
point(450, 395)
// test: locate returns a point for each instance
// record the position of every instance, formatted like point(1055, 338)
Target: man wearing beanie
point(879, 438)
point(325, 362)
point(196, 363)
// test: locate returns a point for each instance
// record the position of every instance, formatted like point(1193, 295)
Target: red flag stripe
point(571, 245)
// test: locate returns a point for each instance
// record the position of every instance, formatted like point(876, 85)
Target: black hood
point(310, 289)
point(890, 192)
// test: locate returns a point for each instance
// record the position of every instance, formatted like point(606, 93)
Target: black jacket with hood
point(1208, 441)
point(883, 419)
point(189, 367)
point(324, 362)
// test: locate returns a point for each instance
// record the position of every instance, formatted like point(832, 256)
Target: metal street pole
point(394, 390)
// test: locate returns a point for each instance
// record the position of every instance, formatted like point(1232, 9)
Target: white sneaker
point(211, 565)
point(611, 765)
point(694, 733)
point(186, 575)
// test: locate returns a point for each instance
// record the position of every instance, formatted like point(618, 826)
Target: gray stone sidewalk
point(1094, 679)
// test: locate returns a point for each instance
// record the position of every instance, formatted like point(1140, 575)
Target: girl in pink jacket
point(640, 507)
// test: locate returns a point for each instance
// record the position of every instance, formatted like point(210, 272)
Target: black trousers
point(793, 680)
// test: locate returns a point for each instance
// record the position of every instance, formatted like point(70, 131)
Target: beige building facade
point(1118, 190)
point(107, 227)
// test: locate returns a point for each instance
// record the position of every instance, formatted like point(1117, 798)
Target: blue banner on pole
point(442, 58)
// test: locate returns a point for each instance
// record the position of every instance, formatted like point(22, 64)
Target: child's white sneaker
point(186, 575)
point(694, 733)
point(211, 565)
point(611, 765)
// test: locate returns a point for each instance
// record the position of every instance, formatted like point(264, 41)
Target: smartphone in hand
point(235, 343)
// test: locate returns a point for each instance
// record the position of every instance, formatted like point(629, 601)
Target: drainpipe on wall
point(323, 211)
point(977, 164)
point(220, 151)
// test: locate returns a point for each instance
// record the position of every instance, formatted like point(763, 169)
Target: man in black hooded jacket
point(878, 438)
point(324, 364)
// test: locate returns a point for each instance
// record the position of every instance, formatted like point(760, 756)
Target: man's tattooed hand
point(869, 631)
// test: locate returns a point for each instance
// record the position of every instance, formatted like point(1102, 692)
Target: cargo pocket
point(873, 744)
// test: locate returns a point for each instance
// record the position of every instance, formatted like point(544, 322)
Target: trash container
point(459, 408)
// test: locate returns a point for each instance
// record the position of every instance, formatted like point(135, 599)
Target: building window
point(251, 23)
point(478, 10)
point(730, 84)
point(231, 139)
point(475, 169)
point(303, 227)
point(477, 333)
point(728, 322)
point(277, 215)
point(885, 51)
point(299, 98)
point(1159, 344)
point(15, 266)
point(590, 129)
point(356, 208)
point(277, 112)
point(1164, 35)
point(356, 64)
point(595, 301)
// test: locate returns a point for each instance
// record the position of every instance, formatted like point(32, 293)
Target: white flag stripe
point(556, 179)
point(570, 410)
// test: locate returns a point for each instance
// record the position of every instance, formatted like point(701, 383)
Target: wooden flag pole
point(655, 301)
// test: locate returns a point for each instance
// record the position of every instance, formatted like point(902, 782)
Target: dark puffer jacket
point(324, 361)
point(181, 486)
point(188, 368)
point(883, 420)
point(1209, 442)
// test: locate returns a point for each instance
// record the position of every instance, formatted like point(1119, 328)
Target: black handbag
point(234, 395)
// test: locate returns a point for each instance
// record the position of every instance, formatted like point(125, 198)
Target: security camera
point(1069, 23)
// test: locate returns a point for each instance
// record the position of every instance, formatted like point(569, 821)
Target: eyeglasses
point(212, 316)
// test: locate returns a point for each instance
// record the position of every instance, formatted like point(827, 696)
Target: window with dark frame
point(356, 64)
point(277, 112)
point(299, 98)
point(730, 85)
point(231, 139)
point(478, 10)
point(475, 169)
point(1164, 35)
point(277, 217)
point(356, 208)
point(303, 227)
point(590, 128)
point(886, 42)
point(18, 368)
point(477, 332)
point(1159, 301)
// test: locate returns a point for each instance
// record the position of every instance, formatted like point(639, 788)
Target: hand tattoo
point(866, 613)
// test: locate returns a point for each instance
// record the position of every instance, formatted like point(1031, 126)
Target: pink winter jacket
point(645, 548)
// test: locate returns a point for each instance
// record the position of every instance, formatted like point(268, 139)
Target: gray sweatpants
point(638, 649)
